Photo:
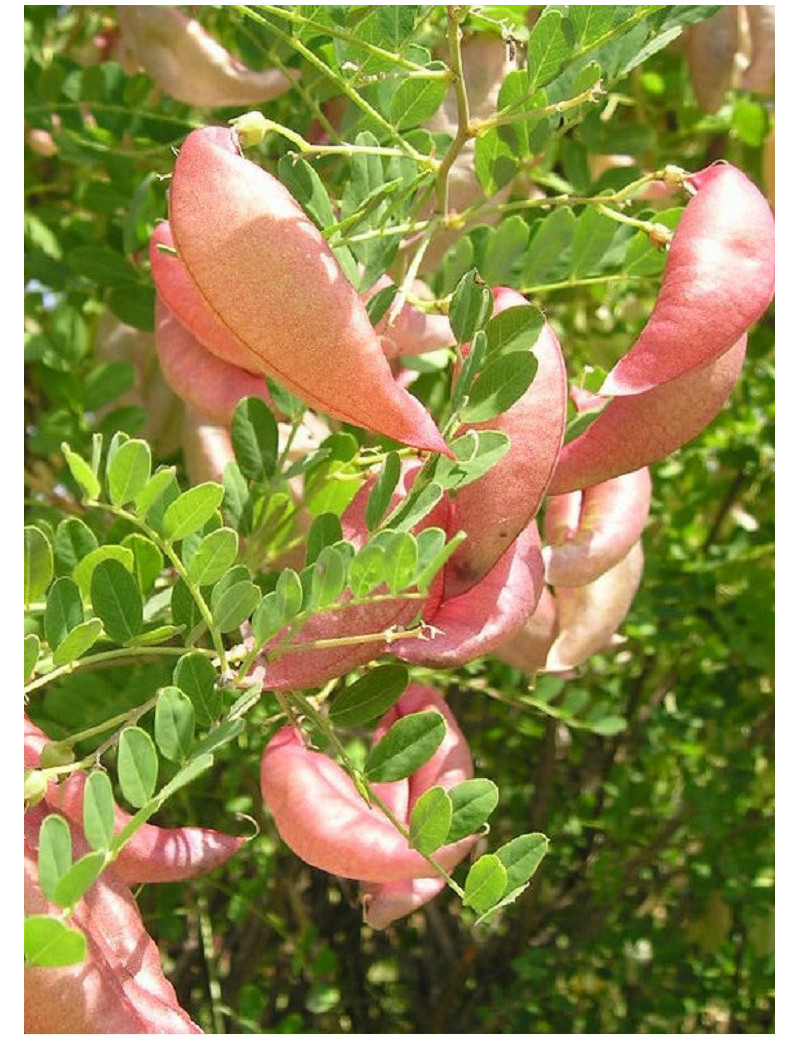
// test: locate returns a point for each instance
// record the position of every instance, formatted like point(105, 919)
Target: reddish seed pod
point(636, 431)
point(589, 532)
point(266, 274)
point(719, 279)
point(528, 648)
point(326, 822)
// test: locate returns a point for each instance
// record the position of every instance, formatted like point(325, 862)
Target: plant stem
point(121, 655)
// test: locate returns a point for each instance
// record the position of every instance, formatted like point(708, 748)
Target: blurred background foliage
point(654, 910)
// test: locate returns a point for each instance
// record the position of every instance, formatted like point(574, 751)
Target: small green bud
point(35, 786)
point(251, 128)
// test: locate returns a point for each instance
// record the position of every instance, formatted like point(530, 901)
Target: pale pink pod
point(759, 76)
point(325, 821)
point(268, 275)
point(388, 902)
point(189, 65)
point(718, 280)
point(120, 986)
point(494, 509)
point(636, 431)
point(153, 854)
point(203, 380)
point(588, 532)
point(589, 615)
point(207, 447)
point(711, 48)
point(527, 649)
point(478, 621)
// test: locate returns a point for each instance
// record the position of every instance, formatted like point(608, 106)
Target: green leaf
point(470, 307)
point(476, 452)
point(395, 24)
point(98, 810)
point(367, 570)
point(55, 853)
point(134, 305)
point(501, 383)
point(430, 821)
point(79, 879)
point(521, 858)
point(84, 570)
point(416, 100)
point(154, 636)
point(305, 184)
point(199, 764)
point(504, 249)
point(416, 506)
point(32, 646)
point(549, 250)
point(547, 49)
point(495, 160)
point(400, 554)
point(598, 243)
point(102, 265)
point(214, 556)
point(38, 565)
point(254, 434)
point(117, 601)
point(284, 400)
point(471, 366)
point(106, 383)
point(153, 490)
point(238, 503)
point(49, 943)
point(191, 510)
point(474, 801)
point(148, 561)
point(236, 605)
point(82, 473)
point(289, 591)
point(197, 677)
point(63, 610)
point(185, 610)
point(137, 766)
point(370, 696)
point(329, 575)
point(219, 736)
point(382, 490)
point(77, 642)
point(73, 540)
point(325, 530)
point(609, 726)
point(410, 742)
point(486, 883)
point(517, 328)
point(174, 724)
point(128, 472)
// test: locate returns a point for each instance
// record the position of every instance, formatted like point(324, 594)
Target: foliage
point(157, 587)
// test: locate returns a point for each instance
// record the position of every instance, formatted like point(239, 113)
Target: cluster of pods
point(250, 288)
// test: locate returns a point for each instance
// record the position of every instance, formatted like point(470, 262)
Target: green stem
point(500, 119)
point(463, 130)
point(121, 655)
point(572, 283)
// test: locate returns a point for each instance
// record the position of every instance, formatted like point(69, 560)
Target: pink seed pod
point(153, 854)
point(719, 279)
point(528, 648)
point(590, 531)
point(711, 48)
point(325, 821)
point(496, 508)
point(478, 621)
point(120, 986)
point(200, 378)
point(636, 431)
point(189, 65)
point(589, 615)
point(267, 275)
